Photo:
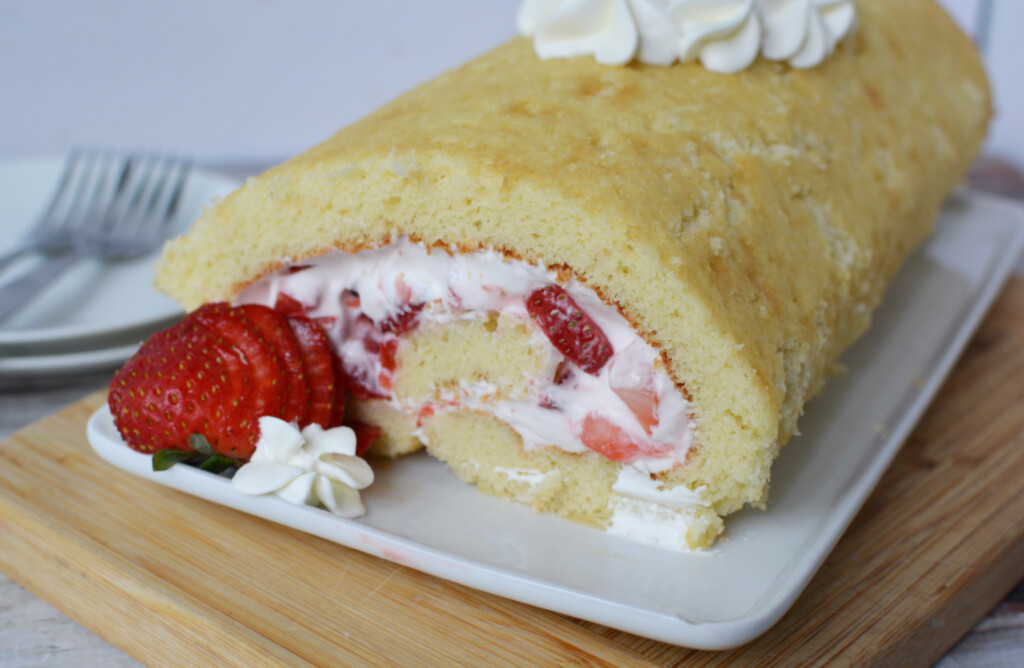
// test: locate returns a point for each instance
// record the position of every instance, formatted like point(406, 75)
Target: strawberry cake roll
point(605, 282)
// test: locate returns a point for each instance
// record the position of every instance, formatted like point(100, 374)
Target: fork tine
point(136, 182)
point(162, 203)
point(116, 209)
point(170, 197)
point(76, 216)
point(178, 188)
point(48, 220)
point(126, 193)
point(142, 215)
point(95, 215)
point(49, 233)
point(140, 194)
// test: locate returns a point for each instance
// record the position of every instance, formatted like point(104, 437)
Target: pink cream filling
point(621, 404)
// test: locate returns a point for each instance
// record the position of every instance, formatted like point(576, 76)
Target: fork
point(79, 179)
point(109, 206)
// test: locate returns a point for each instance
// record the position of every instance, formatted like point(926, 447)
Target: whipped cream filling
point(356, 296)
point(724, 35)
point(650, 523)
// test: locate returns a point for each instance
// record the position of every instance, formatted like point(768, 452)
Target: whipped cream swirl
point(313, 466)
point(724, 35)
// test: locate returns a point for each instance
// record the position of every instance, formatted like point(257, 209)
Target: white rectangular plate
point(421, 516)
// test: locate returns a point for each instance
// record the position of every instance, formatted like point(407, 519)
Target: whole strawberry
point(210, 377)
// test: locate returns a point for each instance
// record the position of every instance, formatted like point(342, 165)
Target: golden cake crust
point(746, 224)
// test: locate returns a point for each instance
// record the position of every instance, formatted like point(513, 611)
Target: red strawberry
point(609, 440)
point(289, 305)
point(643, 401)
point(278, 334)
point(326, 402)
point(219, 370)
point(360, 380)
point(366, 434)
point(571, 331)
point(180, 382)
point(388, 350)
point(403, 321)
point(231, 326)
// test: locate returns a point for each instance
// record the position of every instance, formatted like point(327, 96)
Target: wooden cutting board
point(172, 579)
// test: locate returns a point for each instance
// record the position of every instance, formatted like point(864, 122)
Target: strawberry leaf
point(168, 457)
point(200, 444)
point(217, 464)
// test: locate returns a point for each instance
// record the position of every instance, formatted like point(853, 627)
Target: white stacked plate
point(96, 314)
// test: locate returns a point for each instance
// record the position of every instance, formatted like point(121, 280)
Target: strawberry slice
point(402, 321)
point(219, 370)
point(361, 380)
point(366, 434)
point(643, 402)
point(571, 331)
point(180, 382)
point(233, 328)
point(612, 442)
point(288, 305)
point(388, 350)
point(326, 401)
point(279, 336)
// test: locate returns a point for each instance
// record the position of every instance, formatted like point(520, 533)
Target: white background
point(258, 80)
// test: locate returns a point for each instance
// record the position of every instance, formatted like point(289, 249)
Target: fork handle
point(15, 294)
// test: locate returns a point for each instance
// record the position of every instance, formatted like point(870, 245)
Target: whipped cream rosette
point(724, 35)
point(310, 466)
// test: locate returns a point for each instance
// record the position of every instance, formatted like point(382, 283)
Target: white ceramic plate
point(94, 301)
point(20, 366)
point(421, 516)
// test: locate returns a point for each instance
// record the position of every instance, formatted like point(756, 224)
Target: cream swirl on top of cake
point(724, 35)
point(626, 408)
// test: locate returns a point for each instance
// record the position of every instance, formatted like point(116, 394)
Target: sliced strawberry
point(219, 370)
point(643, 402)
point(233, 328)
point(403, 321)
point(288, 305)
point(319, 365)
point(340, 388)
point(426, 412)
point(571, 331)
point(278, 334)
point(402, 290)
point(180, 382)
point(366, 434)
point(361, 379)
point(612, 442)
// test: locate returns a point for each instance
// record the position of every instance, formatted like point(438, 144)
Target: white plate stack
point(96, 314)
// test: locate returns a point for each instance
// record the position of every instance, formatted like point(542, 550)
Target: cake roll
point(604, 291)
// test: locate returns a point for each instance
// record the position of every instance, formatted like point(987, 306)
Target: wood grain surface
point(172, 579)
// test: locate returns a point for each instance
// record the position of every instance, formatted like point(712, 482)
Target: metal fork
point(115, 207)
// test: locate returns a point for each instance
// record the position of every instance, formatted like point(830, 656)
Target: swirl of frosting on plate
point(310, 466)
point(724, 35)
